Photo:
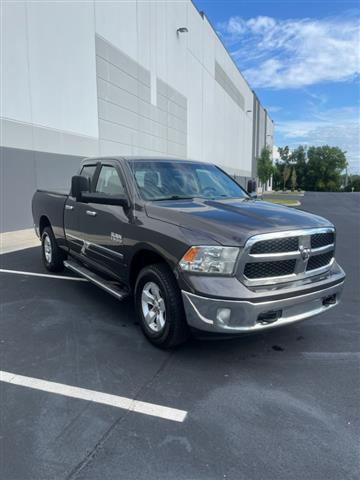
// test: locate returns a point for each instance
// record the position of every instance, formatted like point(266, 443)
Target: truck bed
point(62, 192)
point(48, 206)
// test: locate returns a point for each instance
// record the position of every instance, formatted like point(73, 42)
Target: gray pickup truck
point(196, 251)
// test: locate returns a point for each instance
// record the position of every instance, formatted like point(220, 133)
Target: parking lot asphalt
point(280, 405)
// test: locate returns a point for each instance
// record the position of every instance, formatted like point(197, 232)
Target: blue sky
point(302, 59)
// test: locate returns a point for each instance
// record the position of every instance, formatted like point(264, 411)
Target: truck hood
point(232, 221)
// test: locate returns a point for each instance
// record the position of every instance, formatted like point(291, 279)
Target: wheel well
point(142, 259)
point(44, 222)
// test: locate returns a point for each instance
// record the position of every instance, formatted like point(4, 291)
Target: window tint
point(109, 182)
point(88, 171)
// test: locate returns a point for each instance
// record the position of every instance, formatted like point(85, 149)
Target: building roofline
point(205, 17)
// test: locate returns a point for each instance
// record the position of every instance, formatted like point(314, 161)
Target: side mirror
point(79, 185)
point(253, 195)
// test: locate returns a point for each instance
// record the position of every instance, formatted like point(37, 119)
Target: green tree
point(286, 175)
point(282, 168)
point(284, 153)
point(353, 183)
point(324, 168)
point(293, 179)
point(264, 166)
point(277, 175)
point(298, 159)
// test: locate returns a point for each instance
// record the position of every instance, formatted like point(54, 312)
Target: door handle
point(69, 207)
point(91, 213)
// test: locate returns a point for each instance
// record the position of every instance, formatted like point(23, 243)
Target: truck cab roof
point(143, 158)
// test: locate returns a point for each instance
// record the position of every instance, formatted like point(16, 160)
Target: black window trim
point(108, 162)
point(92, 164)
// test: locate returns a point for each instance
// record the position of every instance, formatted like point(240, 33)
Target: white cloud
point(335, 127)
point(297, 53)
point(274, 108)
point(294, 53)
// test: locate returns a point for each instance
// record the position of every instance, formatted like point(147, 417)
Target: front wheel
point(159, 306)
point(52, 256)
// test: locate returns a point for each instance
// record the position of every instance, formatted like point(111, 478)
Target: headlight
point(210, 260)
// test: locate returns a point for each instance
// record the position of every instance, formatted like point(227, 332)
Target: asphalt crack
point(100, 443)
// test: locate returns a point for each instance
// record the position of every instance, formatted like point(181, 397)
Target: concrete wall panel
point(117, 23)
point(15, 81)
point(62, 66)
point(195, 106)
point(23, 171)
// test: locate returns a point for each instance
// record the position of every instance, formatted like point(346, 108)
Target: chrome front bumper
point(202, 313)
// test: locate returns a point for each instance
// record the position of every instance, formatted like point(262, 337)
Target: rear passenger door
point(105, 226)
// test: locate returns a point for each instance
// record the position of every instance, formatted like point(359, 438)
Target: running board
point(109, 287)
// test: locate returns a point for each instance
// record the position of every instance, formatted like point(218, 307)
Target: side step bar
point(109, 287)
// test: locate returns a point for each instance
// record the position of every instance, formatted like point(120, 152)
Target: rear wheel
point(52, 256)
point(159, 306)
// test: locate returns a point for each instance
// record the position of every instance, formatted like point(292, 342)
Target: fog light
point(269, 317)
point(331, 300)
point(223, 316)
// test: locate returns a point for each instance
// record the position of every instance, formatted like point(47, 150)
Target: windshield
point(164, 180)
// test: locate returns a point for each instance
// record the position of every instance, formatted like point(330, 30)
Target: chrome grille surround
point(301, 256)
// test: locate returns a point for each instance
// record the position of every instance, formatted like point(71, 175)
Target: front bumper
point(246, 316)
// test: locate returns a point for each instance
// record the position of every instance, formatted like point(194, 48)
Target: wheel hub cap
point(153, 307)
point(47, 249)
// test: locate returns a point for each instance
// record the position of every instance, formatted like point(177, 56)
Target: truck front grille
point(269, 269)
point(318, 261)
point(278, 257)
point(321, 239)
point(276, 245)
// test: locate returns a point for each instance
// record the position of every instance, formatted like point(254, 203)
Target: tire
point(52, 256)
point(165, 326)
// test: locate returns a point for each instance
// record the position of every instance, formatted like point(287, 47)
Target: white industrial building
point(116, 77)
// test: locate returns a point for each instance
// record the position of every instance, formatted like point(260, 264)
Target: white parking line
point(133, 405)
point(32, 274)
